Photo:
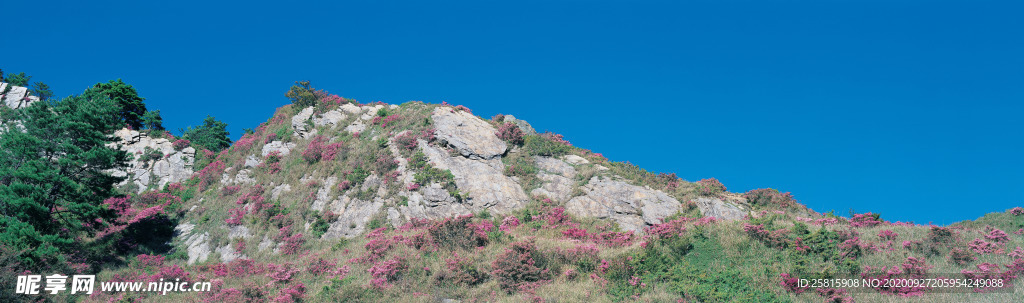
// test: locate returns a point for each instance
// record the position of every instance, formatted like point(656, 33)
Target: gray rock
point(198, 244)
point(174, 166)
point(353, 218)
point(525, 127)
point(280, 189)
point(715, 207)
point(238, 231)
point(323, 194)
point(16, 98)
point(484, 180)
point(633, 207)
point(556, 177)
point(472, 137)
point(356, 127)
point(252, 161)
point(277, 146)
point(299, 123)
point(331, 118)
point(228, 254)
point(574, 159)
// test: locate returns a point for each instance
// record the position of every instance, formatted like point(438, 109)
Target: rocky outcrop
point(556, 177)
point(470, 136)
point(432, 202)
point(484, 180)
point(352, 217)
point(300, 126)
point(632, 207)
point(172, 165)
point(525, 127)
point(715, 207)
point(277, 146)
point(198, 245)
point(17, 97)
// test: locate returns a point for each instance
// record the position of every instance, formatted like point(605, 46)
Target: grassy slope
point(712, 262)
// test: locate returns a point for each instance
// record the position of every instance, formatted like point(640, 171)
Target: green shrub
point(536, 145)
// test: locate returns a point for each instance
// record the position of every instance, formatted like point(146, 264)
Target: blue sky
point(907, 108)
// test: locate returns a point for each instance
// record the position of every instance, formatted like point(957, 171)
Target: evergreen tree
point(54, 177)
point(41, 90)
point(19, 79)
point(212, 135)
point(131, 105)
point(152, 120)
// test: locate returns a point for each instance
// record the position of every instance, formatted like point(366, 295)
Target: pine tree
point(212, 135)
point(54, 177)
point(126, 97)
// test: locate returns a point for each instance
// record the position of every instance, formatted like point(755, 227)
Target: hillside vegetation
point(331, 200)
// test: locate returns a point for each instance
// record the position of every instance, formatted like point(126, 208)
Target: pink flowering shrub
point(769, 197)
point(1017, 211)
point(246, 142)
point(791, 283)
point(181, 144)
point(407, 140)
point(412, 186)
point(509, 223)
point(146, 261)
point(461, 270)
point(270, 138)
point(983, 247)
point(281, 273)
point(775, 238)
point(235, 216)
point(511, 133)
point(557, 138)
point(989, 271)
point(293, 293)
point(291, 244)
point(865, 220)
point(961, 256)
point(585, 257)
point(457, 232)
point(330, 151)
point(314, 151)
point(210, 174)
point(710, 187)
point(887, 235)
point(385, 272)
point(996, 235)
point(230, 190)
point(1017, 253)
point(520, 268)
point(913, 268)
point(557, 217)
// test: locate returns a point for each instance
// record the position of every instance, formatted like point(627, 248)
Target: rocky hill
point(331, 200)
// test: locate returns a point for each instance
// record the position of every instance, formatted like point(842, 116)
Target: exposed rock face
point(242, 177)
point(174, 166)
point(278, 146)
point(485, 180)
point(18, 96)
point(198, 244)
point(302, 130)
point(353, 217)
point(525, 127)
point(557, 177)
point(331, 118)
point(633, 207)
point(472, 137)
point(715, 207)
point(432, 202)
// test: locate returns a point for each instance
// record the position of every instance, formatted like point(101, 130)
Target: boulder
point(632, 207)
point(715, 207)
point(472, 137)
point(484, 180)
point(557, 178)
point(277, 146)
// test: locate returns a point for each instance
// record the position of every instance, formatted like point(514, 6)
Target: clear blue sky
point(908, 108)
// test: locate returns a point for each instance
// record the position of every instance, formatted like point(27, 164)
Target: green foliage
point(41, 90)
point(319, 226)
point(53, 176)
point(686, 266)
point(212, 135)
point(426, 173)
point(536, 145)
point(357, 176)
point(152, 120)
point(302, 94)
point(19, 79)
point(132, 107)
